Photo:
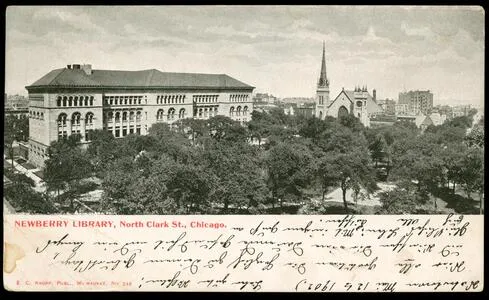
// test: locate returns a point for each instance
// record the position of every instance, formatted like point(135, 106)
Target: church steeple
point(323, 79)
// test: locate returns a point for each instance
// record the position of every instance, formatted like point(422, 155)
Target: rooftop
point(70, 77)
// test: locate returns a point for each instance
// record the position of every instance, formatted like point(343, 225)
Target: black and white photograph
point(244, 110)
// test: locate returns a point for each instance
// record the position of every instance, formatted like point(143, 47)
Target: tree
point(471, 175)
point(222, 128)
point(287, 165)
point(378, 149)
point(352, 171)
point(66, 165)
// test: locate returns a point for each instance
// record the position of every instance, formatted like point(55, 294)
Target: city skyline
point(275, 49)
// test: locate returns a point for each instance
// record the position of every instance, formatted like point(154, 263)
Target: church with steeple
point(357, 102)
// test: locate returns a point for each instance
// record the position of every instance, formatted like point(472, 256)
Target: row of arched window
point(36, 115)
point(170, 99)
point(74, 101)
point(238, 111)
point(124, 116)
point(160, 114)
point(75, 119)
point(123, 100)
point(205, 98)
point(238, 98)
point(75, 125)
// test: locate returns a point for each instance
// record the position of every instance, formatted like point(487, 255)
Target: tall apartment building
point(77, 100)
point(417, 101)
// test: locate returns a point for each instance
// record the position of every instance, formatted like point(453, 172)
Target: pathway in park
point(39, 183)
point(373, 200)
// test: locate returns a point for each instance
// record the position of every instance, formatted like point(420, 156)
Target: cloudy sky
point(277, 49)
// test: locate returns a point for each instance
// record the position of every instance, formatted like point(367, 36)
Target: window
point(231, 111)
point(131, 116)
point(91, 100)
point(159, 115)
point(58, 101)
point(171, 113)
point(245, 111)
point(124, 116)
point(238, 111)
point(64, 101)
point(138, 116)
point(89, 119)
point(75, 101)
point(62, 120)
point(181, 114)
point(70, 101)
point(117, 116)
point(75, 119)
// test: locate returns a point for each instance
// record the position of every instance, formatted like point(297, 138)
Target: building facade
point(78, 100)
point(419, 102)
point(357, 102)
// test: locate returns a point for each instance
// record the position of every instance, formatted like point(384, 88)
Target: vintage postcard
point(244, 148)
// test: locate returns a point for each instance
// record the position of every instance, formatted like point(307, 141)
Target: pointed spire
point(323, 79)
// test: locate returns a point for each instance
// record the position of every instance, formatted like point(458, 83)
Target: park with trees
point(274, 164)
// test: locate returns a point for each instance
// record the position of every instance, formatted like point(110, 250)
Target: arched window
point(124, 116)
point(138, 116)
point(131, 116)
point(76, 119)
point(181, 114)
point(238, 111)
point(200, 112)
point(89, 119)
point(160, 114)
point(231, 111)
point(91, 100)
point(245, 111)
point(117, 116)
point(125, 100)
point(64, 100)
point(62, 120)
point(70, 101)
point(86, 100)
point(58, 101)
point(75, 101)
point(171, 113)
point(110, 115)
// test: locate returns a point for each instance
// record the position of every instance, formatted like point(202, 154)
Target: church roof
point(144, 79)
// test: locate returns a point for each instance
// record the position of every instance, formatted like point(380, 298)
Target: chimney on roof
point(76, 67)
point(68, 67)
point(87, 69)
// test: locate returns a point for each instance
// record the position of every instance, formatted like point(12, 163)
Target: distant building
point(299, 109)
point(401, 109)
point(16, 105)
point(417, 101)
point(437, 118)
point(264, 97)
point(388, 106)
point(461, 110)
